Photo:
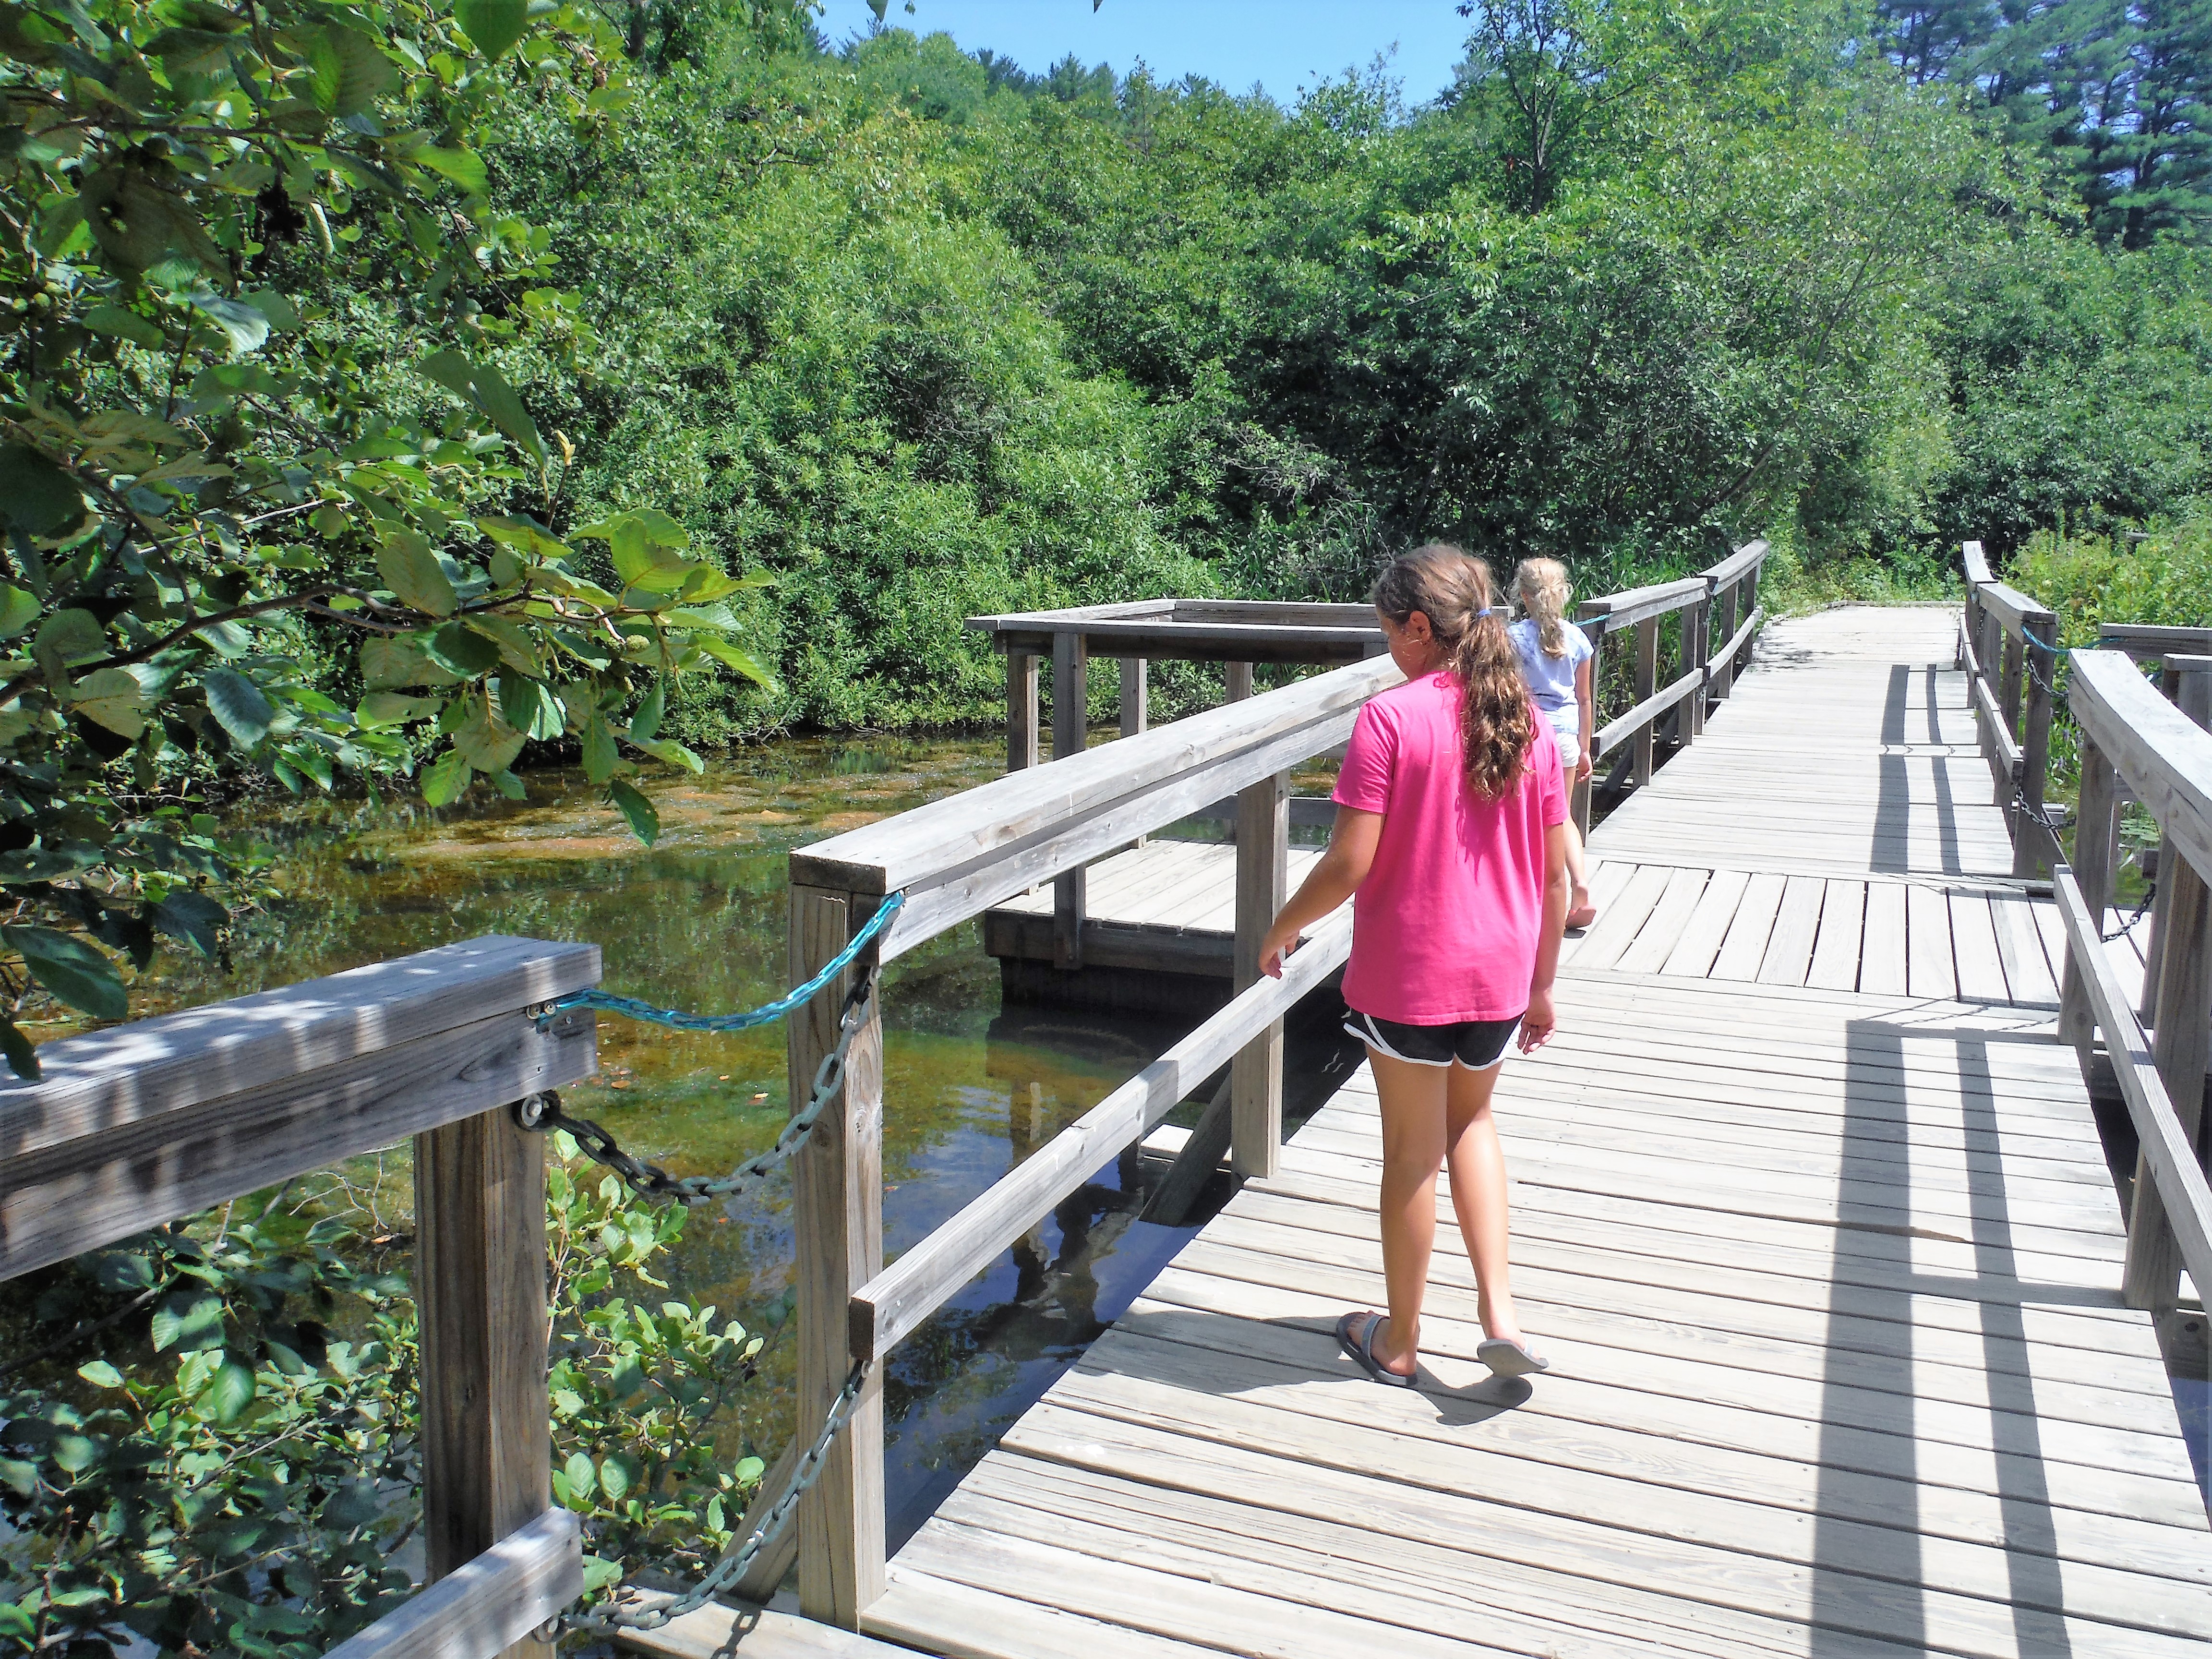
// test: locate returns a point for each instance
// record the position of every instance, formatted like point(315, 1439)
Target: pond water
point(697, 921)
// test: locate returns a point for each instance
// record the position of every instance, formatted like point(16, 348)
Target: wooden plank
point(938, 1615)
point(759, 1633)
point(480, 1290)
point(2164, 757)
point(1256, 1076)
point(1636, 726)
point(1071, 665)
point(2096, 832)
point(1621, 917)
point(127, 1075)
point(1744, 947)
point(1742, 562)
point(837, 1222)
point(1640, 720)
point(1135, 714)
point(2027, 972)
point(487, 1605)
point(74, 1195)
point(2166, 1148)
point(1835, 964)
point(1931, 968)
point(1701, 936)
point(1661, 932)
point(1797, 924)
point(896, 1300)
point(1974, 947)
point(2183, 1049)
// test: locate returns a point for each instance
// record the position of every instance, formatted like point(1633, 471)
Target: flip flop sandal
point(1509, 1359)
point(1582, 918)
point(1362, 1349)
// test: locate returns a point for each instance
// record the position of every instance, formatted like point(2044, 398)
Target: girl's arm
point(1586, 703)
point(1332, 880)
point(1538, 1023)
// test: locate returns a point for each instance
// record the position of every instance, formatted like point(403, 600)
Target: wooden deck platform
point(1810, 1213)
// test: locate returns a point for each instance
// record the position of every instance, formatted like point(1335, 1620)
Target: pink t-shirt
point(1444, 928)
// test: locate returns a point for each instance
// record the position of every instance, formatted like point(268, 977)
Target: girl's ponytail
point(1541, 585)
point(1497, 724)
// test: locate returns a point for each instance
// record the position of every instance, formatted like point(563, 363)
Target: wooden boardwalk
point(1810, 1213)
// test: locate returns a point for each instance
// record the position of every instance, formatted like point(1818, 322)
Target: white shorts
point(1571, 740)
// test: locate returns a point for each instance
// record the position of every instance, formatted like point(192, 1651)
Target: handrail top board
point(2012, 608)
point(1197, 631)
point(1976, 562)
point(934, 842)
point(2165, 757)
point(1071, 619)
point(2146, 639)
point(1738, 563)
point(127, 1073)
point(1616, 610)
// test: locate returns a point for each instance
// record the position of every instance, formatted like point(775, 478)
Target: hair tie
point(1482, 613)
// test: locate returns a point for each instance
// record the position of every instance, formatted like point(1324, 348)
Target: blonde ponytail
point(1496, 725)
point(1541, 585)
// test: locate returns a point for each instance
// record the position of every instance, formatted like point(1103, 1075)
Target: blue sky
point(1281, 44)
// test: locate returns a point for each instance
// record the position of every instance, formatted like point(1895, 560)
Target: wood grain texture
point(480, 1292)
point(1256, 1076)
point(489, 1605)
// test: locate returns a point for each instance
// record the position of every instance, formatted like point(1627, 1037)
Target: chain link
point(542, 1114)
point(732, 1568)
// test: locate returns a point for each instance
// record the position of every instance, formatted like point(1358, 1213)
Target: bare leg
point(1578, 900)
point(1412, 1102)
point(1478, 1190)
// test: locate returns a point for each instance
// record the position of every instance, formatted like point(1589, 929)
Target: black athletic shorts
point(1477, 1044)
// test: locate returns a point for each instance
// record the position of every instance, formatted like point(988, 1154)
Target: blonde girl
point(1555, 658)
point(1451, 840)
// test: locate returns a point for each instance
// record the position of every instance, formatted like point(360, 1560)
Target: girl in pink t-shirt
point(1451, 841)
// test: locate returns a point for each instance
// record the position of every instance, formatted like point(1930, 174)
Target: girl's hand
point(1279, 943)
point(1582, 766)
point(1539, 1023)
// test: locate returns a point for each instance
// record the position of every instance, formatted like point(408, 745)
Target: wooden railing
point(2134, 740)
point(143, 1124)
point(2007, 645)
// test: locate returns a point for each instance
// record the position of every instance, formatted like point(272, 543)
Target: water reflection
point(698, 921)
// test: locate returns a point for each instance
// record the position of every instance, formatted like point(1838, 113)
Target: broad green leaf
point(463, 168)
point(646, 720)
point(36, 496)
point(601, 757)
point(73, 1454)
point(22, 1057)
point(582, 1476)
point(193, 917)
point(487, 742)
point(618, 1472)
point(72, 969)
point(516, 648)
point(463, 650)
point(484, 386)
point(736, 657)
point(674, 754)
point(526, 536)
point(412, 570)
point(347, 70)
point(644, 822)
point(100, 1375)
point(238, 705)
point(748, 1471)
point(230, 1392)
point(492, 25)
point(389, 664)
point(111, 697)
point(119, 323)
point(65, 640)
point(189, 1321)
point(18, 611)
point(247, 329)
point(600, 1573)
point(444, 779)
point(382, 708)
point(531, 708)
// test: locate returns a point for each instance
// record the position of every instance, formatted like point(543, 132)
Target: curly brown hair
point(1497, 724)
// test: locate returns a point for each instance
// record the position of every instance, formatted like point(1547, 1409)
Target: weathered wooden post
point(1256, 1076)
point(1724, 672)
point(1133, 696)
point(1239, 677)
point(1021, 710)
point(2187, 683)
point(480, 1295)
point(2096, 829)
point(1592, 617)
point(1696, 652)
point(1647, 682)
point(2040, 659)
point(837, 1220)
point(1071, 674)
point(2182, 1046)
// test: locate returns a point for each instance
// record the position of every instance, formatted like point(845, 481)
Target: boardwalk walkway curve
point(1810, 1209)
